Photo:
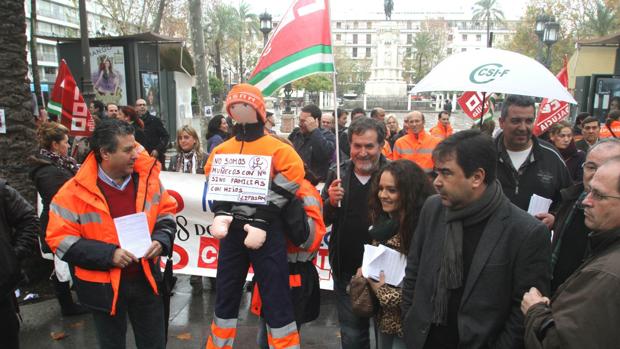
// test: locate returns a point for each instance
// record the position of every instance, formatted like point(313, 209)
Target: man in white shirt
point(527, 165)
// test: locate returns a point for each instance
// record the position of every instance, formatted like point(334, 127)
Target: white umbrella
point(492, 70)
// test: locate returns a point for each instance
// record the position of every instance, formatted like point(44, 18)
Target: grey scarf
point(451, 269)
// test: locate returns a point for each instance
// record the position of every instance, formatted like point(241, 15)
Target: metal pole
point(484, 97)
point(87, 84)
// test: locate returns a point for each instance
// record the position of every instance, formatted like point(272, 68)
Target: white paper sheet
point(133, 233)
point(381, 258)
point(538, 204)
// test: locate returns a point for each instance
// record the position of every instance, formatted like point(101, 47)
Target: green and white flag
point(300, 46)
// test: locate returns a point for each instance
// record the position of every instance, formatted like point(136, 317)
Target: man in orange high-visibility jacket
point(117, 179)
point(252, 233)
point(443, 129)
point(305, 230)
point(417, 145)
point(612, 125)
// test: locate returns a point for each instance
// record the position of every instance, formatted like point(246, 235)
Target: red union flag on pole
point(67, 103)
point(300, 46)
point(471, 103)
point(551, 112)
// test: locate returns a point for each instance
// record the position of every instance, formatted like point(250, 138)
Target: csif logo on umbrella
point(487, 73)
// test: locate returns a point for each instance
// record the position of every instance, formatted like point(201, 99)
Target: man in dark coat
point(472, 256)
point(570, 238)
point(345, 206)
point(18, 233)
point(527, 165)
point(314, 144)
point(585, 310)
point(156, 136)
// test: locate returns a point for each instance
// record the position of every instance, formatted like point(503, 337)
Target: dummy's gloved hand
point(256, 237)
point(219, 227)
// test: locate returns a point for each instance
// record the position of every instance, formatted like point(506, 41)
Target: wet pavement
point(190, 318)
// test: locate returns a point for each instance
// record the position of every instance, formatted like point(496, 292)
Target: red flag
point(551, 112)
point(67, 103)
point(471, 103)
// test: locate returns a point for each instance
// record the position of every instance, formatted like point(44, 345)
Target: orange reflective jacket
point(287, 173)
point(606, 133)
point(440, 131)
point(313, 208)
point(387, 151)
point(81, 230)
point(417, 148)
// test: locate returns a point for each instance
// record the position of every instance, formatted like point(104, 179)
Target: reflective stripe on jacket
point(606, 133)
point(417, 148)
point(81, 230)
point(287, 172)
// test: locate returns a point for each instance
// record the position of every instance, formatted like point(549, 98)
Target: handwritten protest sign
point(239, 178)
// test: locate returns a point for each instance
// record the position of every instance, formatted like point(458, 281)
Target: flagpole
point(329, 10)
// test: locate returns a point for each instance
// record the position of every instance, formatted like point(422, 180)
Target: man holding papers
point(527, 165)
point(473, 255)
point(112, 221)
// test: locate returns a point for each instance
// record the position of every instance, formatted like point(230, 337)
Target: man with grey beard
point(345, 203)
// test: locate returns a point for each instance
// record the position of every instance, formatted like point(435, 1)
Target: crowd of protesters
point(481, 271)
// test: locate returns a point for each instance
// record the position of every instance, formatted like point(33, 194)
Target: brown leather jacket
point(585, 310)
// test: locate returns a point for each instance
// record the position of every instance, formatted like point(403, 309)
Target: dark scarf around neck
point(451, 269)
point(181, 165)
point(383, 229)
point(569, 151)
point(59, 160)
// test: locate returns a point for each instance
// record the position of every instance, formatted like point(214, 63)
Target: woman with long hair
point(392, 124)
point(130, 115)
point(51, 168)
point(396, 197)
point(561, 134)
point(217, 132)
point(107, 81)
point(190, 158)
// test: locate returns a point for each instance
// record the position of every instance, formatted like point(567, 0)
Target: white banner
point(195, 250)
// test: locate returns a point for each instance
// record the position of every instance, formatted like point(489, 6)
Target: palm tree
point(422, 44)
point(601, 20)
point(487, 10)
point(246, 27)
point(220, 20)
point(15, 99)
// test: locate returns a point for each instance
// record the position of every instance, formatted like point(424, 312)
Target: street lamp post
point(87, 84)
point(266, 25)
point(547, 30)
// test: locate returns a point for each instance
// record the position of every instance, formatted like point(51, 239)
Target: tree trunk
point(19, 141)
point(489, 44)
point(218, 59)
point(34, 60)
point(198, 42)
point(160, 14)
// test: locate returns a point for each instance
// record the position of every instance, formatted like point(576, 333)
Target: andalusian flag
point(300, 46)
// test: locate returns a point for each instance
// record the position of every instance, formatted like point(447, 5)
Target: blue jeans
point(354, 330)
point(388, 341)
point(145, 310)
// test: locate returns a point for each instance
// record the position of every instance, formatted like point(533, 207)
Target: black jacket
point(332, 215)
point(19, 226)
point(47, 178)
point(570, 236)
point(543, 173)
point(315, 149)
point(512, 255)
point(155, 136)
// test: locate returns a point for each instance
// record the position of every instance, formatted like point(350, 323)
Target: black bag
point(364, 303)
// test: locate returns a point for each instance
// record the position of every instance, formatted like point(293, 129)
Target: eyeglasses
point(597, 196)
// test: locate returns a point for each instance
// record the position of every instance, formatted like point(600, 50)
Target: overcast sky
point(513, 9)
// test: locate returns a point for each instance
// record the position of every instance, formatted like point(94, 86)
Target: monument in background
point(386, 78)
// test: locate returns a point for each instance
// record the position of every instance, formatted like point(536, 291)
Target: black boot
point(67, 306)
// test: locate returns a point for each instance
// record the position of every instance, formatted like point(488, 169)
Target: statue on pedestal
point(388, 6)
